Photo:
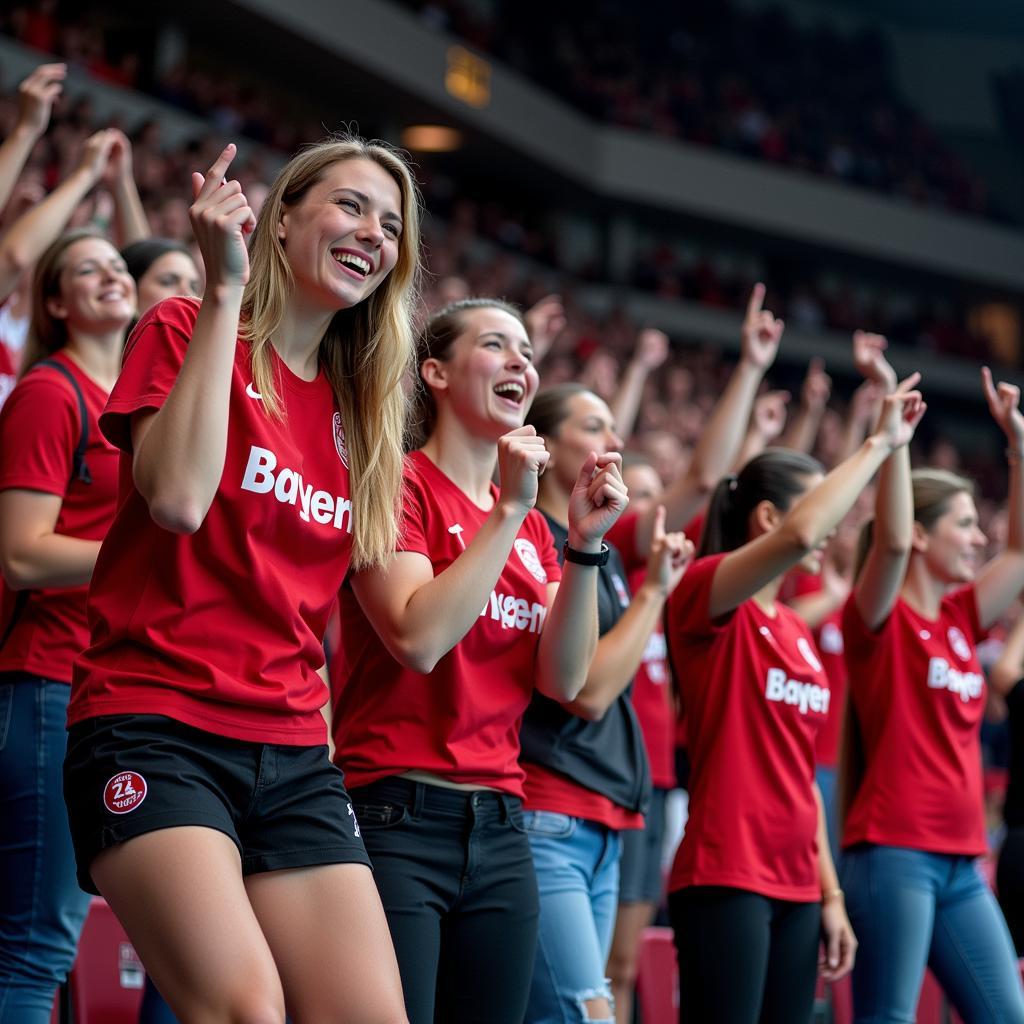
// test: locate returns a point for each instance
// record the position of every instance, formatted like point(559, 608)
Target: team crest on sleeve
point(809, 654)
point(961, 648)
point(124, 792)
point(831, 639)
point(528, 556)
point(339, 440)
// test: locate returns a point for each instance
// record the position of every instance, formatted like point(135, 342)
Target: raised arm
point(179, 450)
point(650, 353)
point(860, 414)
point(1002, 579)
point(746, 570)
point(420, 617)
point(545, 321)
point(569, 647)
point(620, 651)
point(130, 221)
point(802, 429)
point(881, 576)
point(32, 233)
point(36, 96)
point(767, 421)
point(722, 436)
point(1008, 669)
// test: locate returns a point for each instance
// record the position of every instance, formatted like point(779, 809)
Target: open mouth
point(355, 264)
point(511, 392)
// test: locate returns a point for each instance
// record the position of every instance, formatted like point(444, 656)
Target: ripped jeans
point(577, 865)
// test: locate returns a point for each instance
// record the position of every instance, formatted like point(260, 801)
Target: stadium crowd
point(311, 313)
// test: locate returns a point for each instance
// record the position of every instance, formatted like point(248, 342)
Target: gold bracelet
point(831, 895)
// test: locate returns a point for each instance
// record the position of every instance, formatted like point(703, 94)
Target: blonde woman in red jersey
point(440, 653)
point(914, 823)
point(261, 439)
point(753, 889)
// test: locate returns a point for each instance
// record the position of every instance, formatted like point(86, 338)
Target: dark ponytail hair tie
point(732, 482)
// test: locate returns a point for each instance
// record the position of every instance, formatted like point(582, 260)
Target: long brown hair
point(47, 333)
point(365, 351)
point(933, 490)
point(435, 341)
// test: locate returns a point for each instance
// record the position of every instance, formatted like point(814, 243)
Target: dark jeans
point(42, 910)
point(744, 958)
point(456, 879)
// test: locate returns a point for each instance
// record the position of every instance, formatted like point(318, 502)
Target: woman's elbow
point(176, 516)
point(17, 574)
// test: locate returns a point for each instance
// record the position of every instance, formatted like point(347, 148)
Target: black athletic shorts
point(640, 878)
point(282, 806)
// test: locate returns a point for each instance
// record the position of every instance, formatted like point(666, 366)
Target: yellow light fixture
point(431, 138)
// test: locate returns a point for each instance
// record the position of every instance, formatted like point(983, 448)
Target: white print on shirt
point(339, 439)
point(655, 655)
point(528, 556)
point(515, 612)
point(831, 638)
point(808, 652)
point(355, 823)
point(252, 392)
point(456, 531)
point(805, 696)
point(620, 590)
point(961, 648)
point(290, 489)
point(942, 676)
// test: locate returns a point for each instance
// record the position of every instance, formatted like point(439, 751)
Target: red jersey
point(222, 629)
point(40, 428)
point(461, 721)
point(755, 694)
point(919, 693)
point(548, 790)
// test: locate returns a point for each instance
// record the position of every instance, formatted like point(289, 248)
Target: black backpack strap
point(79, 469)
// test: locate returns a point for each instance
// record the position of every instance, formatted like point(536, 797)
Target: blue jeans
point(828, 783)
point(42, 910)
point(577, 865)
point(909, 908)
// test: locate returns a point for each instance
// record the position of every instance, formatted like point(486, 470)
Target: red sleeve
point(622, 536)
point(544, 542)
point(964, 604)
point(39, 430)
point(689, 605)
point(412, 532)
point(152, 361)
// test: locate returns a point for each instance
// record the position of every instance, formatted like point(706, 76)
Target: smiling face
point(953, 547)
point(487, 379)
point(341, 239)
point(174, 273)
point(95, 292)
point(587, 427)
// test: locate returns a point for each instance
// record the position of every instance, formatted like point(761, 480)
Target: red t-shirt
point(548, 790)
point(755, 694)
point(222, 629)
point(461, 721)
point(919, 693)
point(829, 638)
point(40, 427)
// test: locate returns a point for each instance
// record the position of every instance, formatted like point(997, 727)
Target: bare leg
point(331, 943)
point(179, 894)
point(630, 922)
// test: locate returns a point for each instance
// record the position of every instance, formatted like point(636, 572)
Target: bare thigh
point(180, 895)
point(330, 940)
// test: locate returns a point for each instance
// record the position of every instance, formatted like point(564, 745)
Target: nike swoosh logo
point(253, 393)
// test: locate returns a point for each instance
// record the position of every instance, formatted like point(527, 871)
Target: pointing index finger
point(756, 300)
point(215, 175)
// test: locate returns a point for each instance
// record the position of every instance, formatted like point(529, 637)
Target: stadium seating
point(657, 979)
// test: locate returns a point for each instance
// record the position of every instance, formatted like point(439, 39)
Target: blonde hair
point(48, 333)
point(365, 351)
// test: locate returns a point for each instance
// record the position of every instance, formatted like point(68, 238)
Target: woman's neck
point(298, 336)
point(766, 597)
point(921, 590)
point(98, 355)
point(467, 460)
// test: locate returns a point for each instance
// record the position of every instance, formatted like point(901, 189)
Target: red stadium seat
point(931, 1005)
point(657, 981)
point(107, 979)
point(842, 1001)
